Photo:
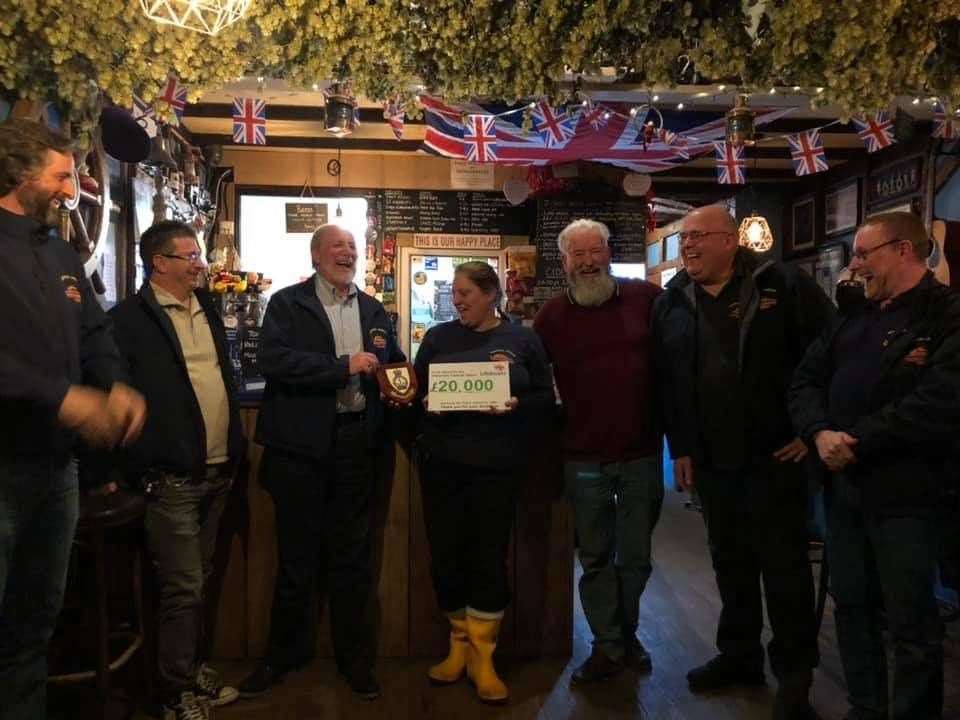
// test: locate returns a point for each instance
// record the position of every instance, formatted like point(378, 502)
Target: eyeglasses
point(189, 257)
point(695, 236)
point(863, 254)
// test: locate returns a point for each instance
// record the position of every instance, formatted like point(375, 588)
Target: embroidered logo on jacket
point(379, 338)
point(71, 289)
point(507, 356)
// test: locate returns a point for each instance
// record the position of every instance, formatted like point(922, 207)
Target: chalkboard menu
point(305, 217)
point(626, 218)
point(450, 212)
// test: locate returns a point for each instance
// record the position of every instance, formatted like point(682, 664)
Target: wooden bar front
point(539, 620)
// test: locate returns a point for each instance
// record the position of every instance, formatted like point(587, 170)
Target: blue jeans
point(886, 561)
point(615, 507)
point(38, 518)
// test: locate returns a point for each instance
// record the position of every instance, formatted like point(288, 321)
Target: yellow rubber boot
point(451, 669)
point(482, 634)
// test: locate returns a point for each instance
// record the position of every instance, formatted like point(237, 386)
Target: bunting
point(175, 95)
point(249, 121)
point(731, 164)
point(944, 126)
point(876, 130)
point(806, 149)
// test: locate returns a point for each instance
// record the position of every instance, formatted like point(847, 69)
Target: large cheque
point(468, 386)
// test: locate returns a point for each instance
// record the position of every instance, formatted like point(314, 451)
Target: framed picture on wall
point(803, 222)
point(671, 245)
point(831, 259)
point(842, 209)
point(654, 254)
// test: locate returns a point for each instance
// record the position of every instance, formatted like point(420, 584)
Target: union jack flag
point(875, 131)
point(145, 116)
point(731, 164)
point(393, 114)
point(616, 142)
point(555, 129)
point(480, 138)
point(594, 116)
point(944, 126)
point(175, 95)
point(807, 151)
point(249, 121)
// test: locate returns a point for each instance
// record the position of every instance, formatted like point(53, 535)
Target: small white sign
point(471, 176)
point(468, 386)
point(456, 242)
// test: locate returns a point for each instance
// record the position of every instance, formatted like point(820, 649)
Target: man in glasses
point(878, 395)
point(57, 371)
point(729, 331)
point(175, 345)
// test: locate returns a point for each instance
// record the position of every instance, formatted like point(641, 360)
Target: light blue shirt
point(343, 311)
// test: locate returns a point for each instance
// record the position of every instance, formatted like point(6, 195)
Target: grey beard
point(591, 291)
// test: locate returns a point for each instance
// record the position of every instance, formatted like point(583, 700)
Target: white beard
point(591, 290)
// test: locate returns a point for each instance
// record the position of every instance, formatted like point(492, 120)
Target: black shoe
point(596, 667)
point(260, 680)
point(721, 672)
point(636, 656)
point(793, 697)
point(363, 683)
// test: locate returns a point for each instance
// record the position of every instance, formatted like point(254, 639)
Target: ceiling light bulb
point(721, 88)
point(679, 106)
point(656, 97)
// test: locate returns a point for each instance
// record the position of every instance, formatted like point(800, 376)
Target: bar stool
point(100, 517)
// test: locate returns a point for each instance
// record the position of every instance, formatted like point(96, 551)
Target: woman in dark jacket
point(470, 466)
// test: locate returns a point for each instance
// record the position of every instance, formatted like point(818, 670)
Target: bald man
point(729, 331)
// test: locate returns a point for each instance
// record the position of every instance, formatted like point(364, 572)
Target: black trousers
point(757, 528)
point(468, 512)
point(323, 526)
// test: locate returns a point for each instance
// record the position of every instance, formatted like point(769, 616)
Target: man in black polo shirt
point(728, 332)
point(880, 396)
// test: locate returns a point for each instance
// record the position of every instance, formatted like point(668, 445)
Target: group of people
point(741, 362)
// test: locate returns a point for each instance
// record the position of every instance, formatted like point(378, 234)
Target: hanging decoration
point(875, 130)
point(145, 116)
point(340, 115)
point(741, 123)
point(480, 139)
point(731, 164)
point(755, 233)
point(174, 95)
point(554, 128)
point(806, 150)
point(204, 16)
point(249, 121)
point(945, 126)
point(393, 113)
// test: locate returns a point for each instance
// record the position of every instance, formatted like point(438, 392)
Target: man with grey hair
point(57, 383)
point(729, 330)
point(322, 423)
point(597, 335)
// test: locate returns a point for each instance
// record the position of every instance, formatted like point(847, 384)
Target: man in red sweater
point(597, 335)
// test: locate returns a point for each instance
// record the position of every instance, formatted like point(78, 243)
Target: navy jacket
point(906, 454)
point(298, 358)
point(782, 311)
point(53, 334)
point(174, 437)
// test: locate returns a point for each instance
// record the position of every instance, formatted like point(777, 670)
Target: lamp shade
point(339, 115)
point(755, 233)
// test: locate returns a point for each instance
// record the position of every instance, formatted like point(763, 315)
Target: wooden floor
point(678, 615)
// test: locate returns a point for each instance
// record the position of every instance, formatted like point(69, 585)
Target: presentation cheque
point(468, 386)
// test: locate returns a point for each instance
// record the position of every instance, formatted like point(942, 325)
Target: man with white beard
point(597, 335)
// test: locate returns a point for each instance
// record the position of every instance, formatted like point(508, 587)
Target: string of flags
point(601, 132)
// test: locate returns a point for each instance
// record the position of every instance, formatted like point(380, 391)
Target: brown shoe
point(596, 667)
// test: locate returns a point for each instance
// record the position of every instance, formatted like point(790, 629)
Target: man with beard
point(597, 335)
point(57, 372)
point(729, 331)
point(322, 423)
point(877, 396)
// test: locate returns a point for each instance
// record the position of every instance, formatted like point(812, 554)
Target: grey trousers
point(182, 521)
